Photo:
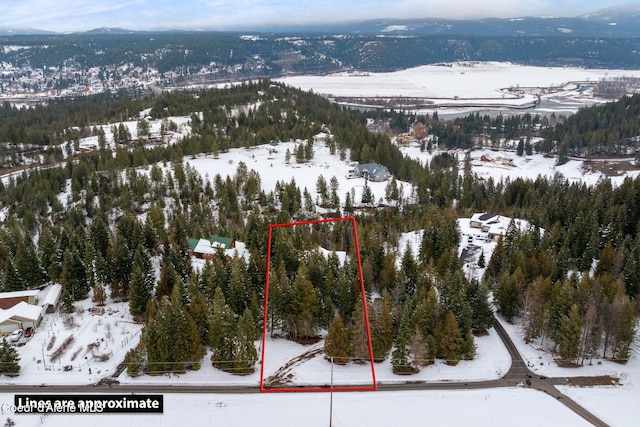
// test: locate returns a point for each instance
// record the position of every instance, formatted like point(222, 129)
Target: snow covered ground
point(456, 85)
point(92, 336)
point(499, 407)
point(114, 333)
point(272, 168)
point(491, 407)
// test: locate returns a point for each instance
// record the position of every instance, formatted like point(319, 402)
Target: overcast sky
point(80, 15)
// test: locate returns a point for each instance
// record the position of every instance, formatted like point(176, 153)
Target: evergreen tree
point(482, 313)
point(559, 306)
point(12, 280)
point(141, 287)
point(419, 350)
point(359, 339)
point(245, 354)
point(381, 327)
point(322, 190)
point(121, 266)
point(134, 361)
point(181, 252)
point(481, 260)
point(303, 307)
point(507, 296)
point(199, 311)
point(48, 248)
point(300, 153)
point(308, 150)
point(367, 194)
point(497, 261)
point(391, 190)
point(239, 292)
point(168, 278)
point(626, 331)
point(9, 360)
point(528, 149)
point(426, 312)
point(222, 326)
point(409, 267)
point(74, 275)
point(348, 204)
point(171, 338)
point(99, 296)
point(400, 355)
point(28, 265)
point(448, 338)
point(337, 344)
point(569, 335)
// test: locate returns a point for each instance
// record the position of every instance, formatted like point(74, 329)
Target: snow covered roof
point(482, 216)
point(323, 136)
point(210, 246)
point(17, 294)
point(22, 310)
point(50, 295)
point(500, 225)
point(206, 247)
point(373, 169)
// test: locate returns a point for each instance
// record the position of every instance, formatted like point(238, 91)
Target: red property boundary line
point(302, 389)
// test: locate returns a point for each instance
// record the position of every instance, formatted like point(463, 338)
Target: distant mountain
point(613, 26)
point(619, 21)
point(109, 30)
point(615, 13)
point(22, 31)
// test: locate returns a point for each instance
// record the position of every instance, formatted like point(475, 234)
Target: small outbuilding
point(51, 298)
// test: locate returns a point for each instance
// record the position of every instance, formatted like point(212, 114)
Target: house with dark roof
point(10, 299)
point(372, 172)
point(482, 220)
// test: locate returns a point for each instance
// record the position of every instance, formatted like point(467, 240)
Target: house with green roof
point(208, 248)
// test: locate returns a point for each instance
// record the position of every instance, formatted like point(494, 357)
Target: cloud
point(78, 15)
point(48, 14)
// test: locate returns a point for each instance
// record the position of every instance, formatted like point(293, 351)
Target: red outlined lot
point(298, 389)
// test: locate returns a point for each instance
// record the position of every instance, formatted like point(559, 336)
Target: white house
point(322, 138)
point(20, 316)
point(497, 225)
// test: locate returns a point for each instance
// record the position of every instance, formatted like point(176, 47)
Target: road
point(518, 375)
point(519, 371)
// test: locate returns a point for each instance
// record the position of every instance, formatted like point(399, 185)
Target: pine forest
point(129, 210)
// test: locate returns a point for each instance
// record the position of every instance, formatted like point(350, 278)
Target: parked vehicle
point(28, 332)
point(15, 335)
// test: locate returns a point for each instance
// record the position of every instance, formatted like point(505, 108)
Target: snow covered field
point(491, 407)
point(453, 86)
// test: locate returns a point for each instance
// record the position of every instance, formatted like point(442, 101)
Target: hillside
point(107, 209)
